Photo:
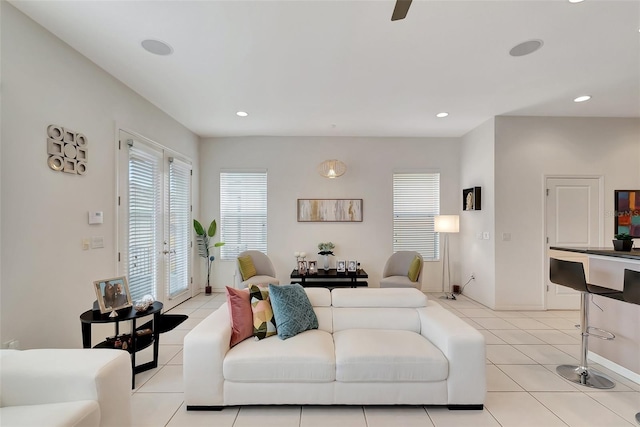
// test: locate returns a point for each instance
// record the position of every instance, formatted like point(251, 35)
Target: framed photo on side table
point(341, 266)
point(113, 294)
point(302, 267)
point(352, 266)
point(313, 267)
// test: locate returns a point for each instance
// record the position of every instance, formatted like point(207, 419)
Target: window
point(243, 213)
point(416, 200)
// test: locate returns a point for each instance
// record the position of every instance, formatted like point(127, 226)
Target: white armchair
point(65, 387)
point(395, 273)
point(265, 272)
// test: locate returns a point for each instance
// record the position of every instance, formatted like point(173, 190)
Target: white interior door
point(574, 219)
point(154, 221)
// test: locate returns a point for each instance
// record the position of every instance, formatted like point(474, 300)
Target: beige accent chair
point(395, 273)
point(265, 272)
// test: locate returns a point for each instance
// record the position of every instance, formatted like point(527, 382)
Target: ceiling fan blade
point(401, 9)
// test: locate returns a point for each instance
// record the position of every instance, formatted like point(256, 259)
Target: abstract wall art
point(329, 210)
point(627, 212)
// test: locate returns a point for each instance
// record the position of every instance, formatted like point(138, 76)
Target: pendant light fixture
point(332, 168)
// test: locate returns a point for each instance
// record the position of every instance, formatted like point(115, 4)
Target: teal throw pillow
point(292, 310)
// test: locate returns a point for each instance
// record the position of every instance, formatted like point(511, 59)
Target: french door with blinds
point(154, 220)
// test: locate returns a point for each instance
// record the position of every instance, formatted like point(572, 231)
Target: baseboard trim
point(519, 308)
point(620, 370)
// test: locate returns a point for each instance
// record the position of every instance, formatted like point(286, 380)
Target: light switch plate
point(97, 242)
point(485, 235)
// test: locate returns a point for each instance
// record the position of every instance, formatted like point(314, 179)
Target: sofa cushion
point(246, 267)
point(307, 357)
point(292, 310)
point(376, 318)
point(397, 282)
point(414, 269)
point(264, 323)
point(319, 297)
point(367, 355)
point(240, 315)
point(80, 413)
point(377, 297)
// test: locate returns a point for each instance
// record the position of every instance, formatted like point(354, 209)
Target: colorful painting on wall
point(627, 213)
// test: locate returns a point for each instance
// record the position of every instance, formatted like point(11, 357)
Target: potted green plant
point(623, 242)
point(204, 246)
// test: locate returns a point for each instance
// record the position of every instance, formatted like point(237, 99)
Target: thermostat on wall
point(95, 217)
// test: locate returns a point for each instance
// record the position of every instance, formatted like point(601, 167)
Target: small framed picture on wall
point(471, 199)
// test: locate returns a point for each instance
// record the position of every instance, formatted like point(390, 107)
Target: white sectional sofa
point(65, 387)
point(373, 347)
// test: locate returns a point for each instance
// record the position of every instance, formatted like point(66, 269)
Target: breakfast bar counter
point(605, 267)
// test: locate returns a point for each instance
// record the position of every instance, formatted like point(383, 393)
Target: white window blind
point(144, 212)
point(243, 213)
point(179, 226)
point(416, 200)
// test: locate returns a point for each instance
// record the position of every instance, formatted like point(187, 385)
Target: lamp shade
point(446, 224)
point(332, 168)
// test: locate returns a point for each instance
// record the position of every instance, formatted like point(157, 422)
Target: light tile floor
point(523, 349)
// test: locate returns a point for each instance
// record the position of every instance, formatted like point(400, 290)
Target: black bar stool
point(631, 294)
point(571, 275)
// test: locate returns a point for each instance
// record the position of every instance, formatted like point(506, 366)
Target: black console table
point(330, 279)
point(140, 337)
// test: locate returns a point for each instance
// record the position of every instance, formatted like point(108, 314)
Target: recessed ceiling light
point(525, 48)
point(157, 47)
point(582, 98)
point(576, 1)
point(242, 114)
point(441, 115)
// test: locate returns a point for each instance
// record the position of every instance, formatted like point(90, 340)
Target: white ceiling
point(330, 68)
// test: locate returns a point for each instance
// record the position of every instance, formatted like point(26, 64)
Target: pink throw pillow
point(240, 314)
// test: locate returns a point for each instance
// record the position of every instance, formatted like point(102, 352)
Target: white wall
point(46, 277)
point(527, 149)
point(478, 255)
point(291, 163)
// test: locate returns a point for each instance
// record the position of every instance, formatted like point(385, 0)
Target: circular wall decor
point(56, 163)
point(81, 140)
point(81, 168)
point(55, 132)
point(70, 151)
point(67, 150)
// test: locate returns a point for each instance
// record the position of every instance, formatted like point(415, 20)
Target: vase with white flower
point(326, 249)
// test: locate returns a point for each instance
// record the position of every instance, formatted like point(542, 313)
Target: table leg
point(86, 335)
point(156, 338)
point(134, 340)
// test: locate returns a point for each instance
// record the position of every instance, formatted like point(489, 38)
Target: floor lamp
point(446, 224)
